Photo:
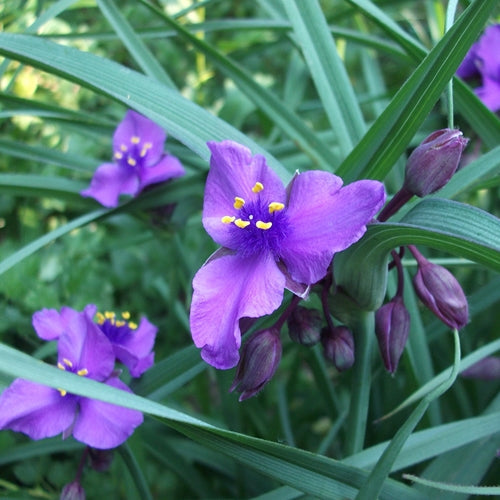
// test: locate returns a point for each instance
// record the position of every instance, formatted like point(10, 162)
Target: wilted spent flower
point(73, 491)
point(260, 357)
point(486, 369)
point(432, 164)
point(304, 326)
point(338, 346)
point(440, 291)
point(100, 460)
point(392, 325)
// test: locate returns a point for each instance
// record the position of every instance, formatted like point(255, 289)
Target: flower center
point(67, 365)
point(115, 328)
point(132, 154)
point(259, 224)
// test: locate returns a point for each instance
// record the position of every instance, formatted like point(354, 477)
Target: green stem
point(373, 485)
point(450, 16)
point(364, 333)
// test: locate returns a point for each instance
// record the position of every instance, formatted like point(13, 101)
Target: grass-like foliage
point(348, 87)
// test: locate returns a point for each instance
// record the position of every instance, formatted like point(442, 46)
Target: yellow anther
point(100, 318)
point(275, 206)
point(67, 362)
point(82, 372)
point(132, 325)
point(143, 152)
point(118, 155)
point(120, 323)
point(63, 392)
point(109, 314)
point(125, 315)
point(258, 187)
point(123, 147)
point(131, 162)
point(60, 366)
point(242, 223)
point(135, 140)
point(148, 145)
point(238, 202)
point(227, 219)
point(263, 225)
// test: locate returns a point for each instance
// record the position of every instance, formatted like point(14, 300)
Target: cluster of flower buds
point(430, 166)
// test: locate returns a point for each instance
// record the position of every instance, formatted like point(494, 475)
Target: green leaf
point(181, 118)
point(327, 71)
point(391, 133)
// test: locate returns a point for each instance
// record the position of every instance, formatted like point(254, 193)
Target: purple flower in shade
point(272, 238)
point(40, 411)
point(486, 369)
point(132, 344)
point(260, 357)
point(138, 161)
point(483, 59)
point(392, 326)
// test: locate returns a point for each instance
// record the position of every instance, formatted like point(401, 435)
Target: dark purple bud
point(338, 346)
point(432, 164)
point(392, 325)
point(73, 491)
point(304, 325)
point(260, 357)
point(439, 290)
point(100, 460)
point(486, 369)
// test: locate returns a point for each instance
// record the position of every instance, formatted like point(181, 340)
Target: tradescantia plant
point(327, 175)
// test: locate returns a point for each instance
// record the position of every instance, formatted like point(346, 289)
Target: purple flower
point(260, 357)
point(272, 238)
point(138, 161)
point(132, 344)
point(483, 59)
point(40, 411)
point(486, 369)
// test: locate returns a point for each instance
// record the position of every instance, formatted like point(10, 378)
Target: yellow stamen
point(148, 145)
point(132, 325)
point(109, 314)
point(100, 318)
point(67, 362)
point(143, 153)
point(227, 219)
point(120, 323)
point(242, 223)
point(60, 366)
point(275, 206)
point(238, 202)
point(63, 392)
point(263, 225)
point(135, 140)
point(118, 155)
point(123, 148)
point(258, 187)
point(131, 162)
point(82, 372)
point(125, 315)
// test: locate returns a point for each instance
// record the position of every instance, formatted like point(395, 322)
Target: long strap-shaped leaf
point(327, 71)
point(181, 118)
point(316, 475)
point(389, 136)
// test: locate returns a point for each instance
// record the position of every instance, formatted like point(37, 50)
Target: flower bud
point(338, 346)
point(432, 164)
point(304, 326)
point(260, 357)
point(439, 290)
point(486, 369)
point(392, 325)
point(73, 491)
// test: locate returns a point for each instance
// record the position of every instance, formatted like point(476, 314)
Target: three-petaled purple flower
point(138, 161)
point(40, 411)
point(272, 238)
point(483, 60)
